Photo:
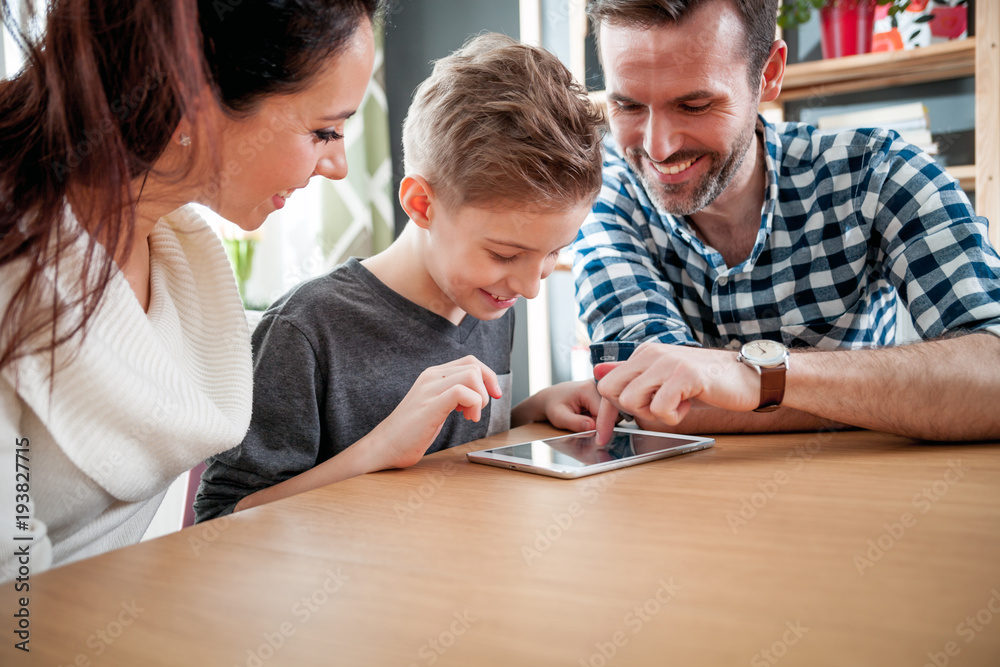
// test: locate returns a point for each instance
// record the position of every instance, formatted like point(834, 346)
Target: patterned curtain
point(358, 211)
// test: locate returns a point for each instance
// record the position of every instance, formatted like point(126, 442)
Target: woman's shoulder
point(14, 272)
point(185, 249)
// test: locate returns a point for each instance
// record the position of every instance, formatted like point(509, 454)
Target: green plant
point(240, 251)
point(794, 13)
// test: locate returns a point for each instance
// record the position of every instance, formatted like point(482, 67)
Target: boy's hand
point(573, 405)
point(567, 405)
point(405, 435)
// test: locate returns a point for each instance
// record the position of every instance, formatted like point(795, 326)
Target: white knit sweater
point(146, 397)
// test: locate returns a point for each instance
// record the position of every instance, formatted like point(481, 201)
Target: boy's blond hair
point(501, 123)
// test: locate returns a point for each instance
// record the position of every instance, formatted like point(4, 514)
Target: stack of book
point(910, 120)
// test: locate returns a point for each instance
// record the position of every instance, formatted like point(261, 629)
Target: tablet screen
point(577, 451)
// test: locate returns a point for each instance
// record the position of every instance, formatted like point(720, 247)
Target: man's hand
point(608, 416)
point(662, 382)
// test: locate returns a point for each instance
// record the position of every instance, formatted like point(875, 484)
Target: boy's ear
point(417, 200)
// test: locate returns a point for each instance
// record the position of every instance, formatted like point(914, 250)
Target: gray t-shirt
point(332, 359)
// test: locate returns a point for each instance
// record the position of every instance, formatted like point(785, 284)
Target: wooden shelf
point(987, 110)
point(823, 78)
point(965, 174)
point(974, 56)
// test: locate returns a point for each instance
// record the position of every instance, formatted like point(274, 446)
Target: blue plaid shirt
point(851, 222)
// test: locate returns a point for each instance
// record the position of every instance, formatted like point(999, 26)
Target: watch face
point(764, 352)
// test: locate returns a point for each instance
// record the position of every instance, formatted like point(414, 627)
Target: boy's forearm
point(528, 411)
point(351, 462)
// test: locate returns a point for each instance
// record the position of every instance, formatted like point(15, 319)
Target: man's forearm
point(709, 421)
point(937, 390)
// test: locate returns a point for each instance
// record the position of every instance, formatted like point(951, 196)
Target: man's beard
point(689, 198)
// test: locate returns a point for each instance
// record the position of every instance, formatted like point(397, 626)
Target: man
point(719, 239)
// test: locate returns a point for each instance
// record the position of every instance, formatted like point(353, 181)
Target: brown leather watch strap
point(772, 388)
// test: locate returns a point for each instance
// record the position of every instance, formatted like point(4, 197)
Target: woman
point(124, 352)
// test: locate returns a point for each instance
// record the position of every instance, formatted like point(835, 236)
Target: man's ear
point(417, 199)
point(774, 71)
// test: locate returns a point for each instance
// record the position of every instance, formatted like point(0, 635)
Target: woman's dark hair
point(258, 48)
point(97, 101)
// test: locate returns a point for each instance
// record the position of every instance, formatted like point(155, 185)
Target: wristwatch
point(770, 358)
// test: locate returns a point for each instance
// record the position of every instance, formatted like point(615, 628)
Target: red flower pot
point(949, 22)
point(847, 27)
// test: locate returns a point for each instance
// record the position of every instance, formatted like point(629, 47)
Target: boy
point(503, 161)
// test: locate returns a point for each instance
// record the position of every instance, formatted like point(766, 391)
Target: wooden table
point(798, 549)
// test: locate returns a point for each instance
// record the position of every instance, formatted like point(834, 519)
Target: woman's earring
point(184, 140)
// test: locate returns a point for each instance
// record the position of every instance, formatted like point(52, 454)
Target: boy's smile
point(457, 260)
point(500, 302)
point(462, 260)
point(482, 260)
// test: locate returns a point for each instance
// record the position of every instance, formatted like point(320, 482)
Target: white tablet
point(577, 455)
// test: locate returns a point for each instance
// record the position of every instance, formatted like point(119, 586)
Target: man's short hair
point(500, 123)
point(758, 18)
